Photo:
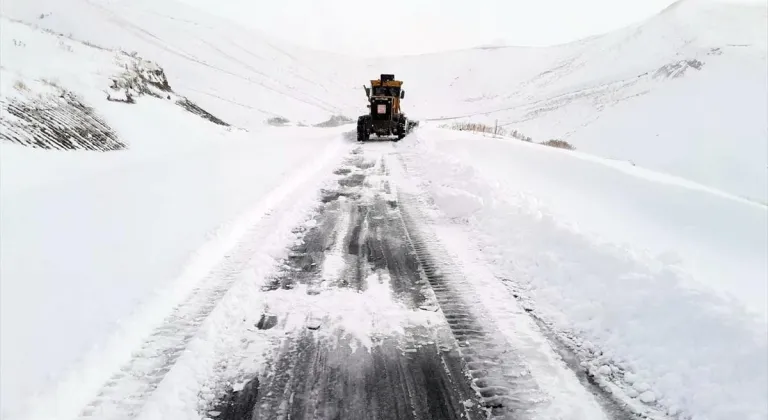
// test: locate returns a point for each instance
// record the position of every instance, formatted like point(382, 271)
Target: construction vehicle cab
point(385, 117)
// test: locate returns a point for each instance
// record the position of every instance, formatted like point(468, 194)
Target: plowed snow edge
point(143, 354)
point(539, 371)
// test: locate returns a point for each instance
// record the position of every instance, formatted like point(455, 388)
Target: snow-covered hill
point(209, 59)
point(682, 93)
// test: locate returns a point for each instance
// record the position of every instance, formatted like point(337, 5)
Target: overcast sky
point(366, 28)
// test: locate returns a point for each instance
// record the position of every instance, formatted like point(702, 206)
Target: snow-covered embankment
point(661, 278)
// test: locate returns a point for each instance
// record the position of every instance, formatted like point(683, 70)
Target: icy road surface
point(364, 319)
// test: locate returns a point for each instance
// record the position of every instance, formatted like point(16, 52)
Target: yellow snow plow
point(385, 116)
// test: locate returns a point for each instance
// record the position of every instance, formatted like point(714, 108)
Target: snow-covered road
point(364, 317)
point(356, 344)
point(401, 280)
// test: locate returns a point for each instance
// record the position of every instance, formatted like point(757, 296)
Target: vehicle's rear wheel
point(363, 133)
point(402, 124)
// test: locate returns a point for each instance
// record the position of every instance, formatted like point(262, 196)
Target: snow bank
point(97, 247)
point(78, 257)
point(659, 277)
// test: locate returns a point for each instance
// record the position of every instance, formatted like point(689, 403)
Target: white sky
point(393, 27)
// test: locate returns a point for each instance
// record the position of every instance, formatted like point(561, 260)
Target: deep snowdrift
point(660, 278)
point(682, 92)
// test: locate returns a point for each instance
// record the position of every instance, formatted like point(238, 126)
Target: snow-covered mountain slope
point(657, 285)
point(209, 59)
point(683, 92)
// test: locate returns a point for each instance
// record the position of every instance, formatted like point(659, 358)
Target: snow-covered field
point(656, 279)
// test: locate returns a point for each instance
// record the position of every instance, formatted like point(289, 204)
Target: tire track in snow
point(506, 386)
point(471, 293)
point(125, 393)
point(609, 395)
point(391, 369)
point(395, 331)
point(459, 362)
